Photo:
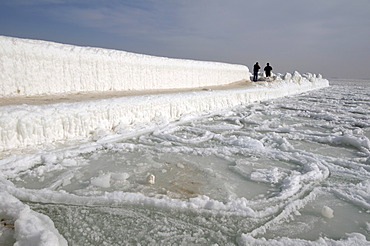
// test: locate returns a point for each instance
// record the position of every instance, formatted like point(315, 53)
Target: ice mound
point(30, 227)
point(103, 180)
point(327, 212)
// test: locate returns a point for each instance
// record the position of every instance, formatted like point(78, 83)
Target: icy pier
point(39, 68)
point(24, 125)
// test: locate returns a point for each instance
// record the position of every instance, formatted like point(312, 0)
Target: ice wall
point(25, 125)
point(32, 67)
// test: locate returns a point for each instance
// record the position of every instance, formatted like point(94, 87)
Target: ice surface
point(257, 174)
point(32, 67)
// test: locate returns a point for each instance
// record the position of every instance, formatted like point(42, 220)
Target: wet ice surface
point(250, 175)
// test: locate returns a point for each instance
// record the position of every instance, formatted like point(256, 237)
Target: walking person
point(256, 68)
point(268, 69)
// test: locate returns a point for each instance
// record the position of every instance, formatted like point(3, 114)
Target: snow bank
point(350, 239)
point(25, 125)
point(32, 67)
point(30, 227)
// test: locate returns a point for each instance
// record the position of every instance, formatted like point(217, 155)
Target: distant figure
point(256, 68)
point(268, 69)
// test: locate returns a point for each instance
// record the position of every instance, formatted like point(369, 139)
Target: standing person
point(256, 68)
point(268, 69)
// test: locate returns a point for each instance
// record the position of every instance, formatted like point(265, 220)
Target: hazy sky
point(331, 37)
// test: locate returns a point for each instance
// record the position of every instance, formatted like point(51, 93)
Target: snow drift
point(32, 67)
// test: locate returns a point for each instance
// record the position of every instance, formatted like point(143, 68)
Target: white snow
point(30, 227)
point(32, 67)
point(25, 125)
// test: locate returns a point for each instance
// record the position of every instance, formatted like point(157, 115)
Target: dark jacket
point(268, 69)
point(256, 67)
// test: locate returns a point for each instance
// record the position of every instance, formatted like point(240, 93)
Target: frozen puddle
point(177, 175)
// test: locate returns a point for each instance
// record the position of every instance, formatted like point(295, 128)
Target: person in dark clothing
point(268, 69)
point(256, 68)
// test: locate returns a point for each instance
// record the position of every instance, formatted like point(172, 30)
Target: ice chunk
point(297, 77)
point(327, 212)
point(287, 76)
point(150, 179)
point(120, 176)
point(103, 180)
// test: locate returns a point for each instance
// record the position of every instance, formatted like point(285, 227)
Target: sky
point(330, 37)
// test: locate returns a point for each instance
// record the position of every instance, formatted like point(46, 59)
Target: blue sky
point(331, 37)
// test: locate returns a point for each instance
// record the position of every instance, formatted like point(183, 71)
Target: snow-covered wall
point(25, 125)
point(32, 67)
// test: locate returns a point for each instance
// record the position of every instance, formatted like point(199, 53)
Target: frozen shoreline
point(261, 171)
point(25, 125)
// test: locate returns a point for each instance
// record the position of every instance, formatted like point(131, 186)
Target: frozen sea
point(289, 171)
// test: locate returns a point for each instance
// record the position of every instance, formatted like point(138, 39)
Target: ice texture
point(31, 228)
point(25, 125)
point(257, 174)
point(33, 67)
point(103, 180)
